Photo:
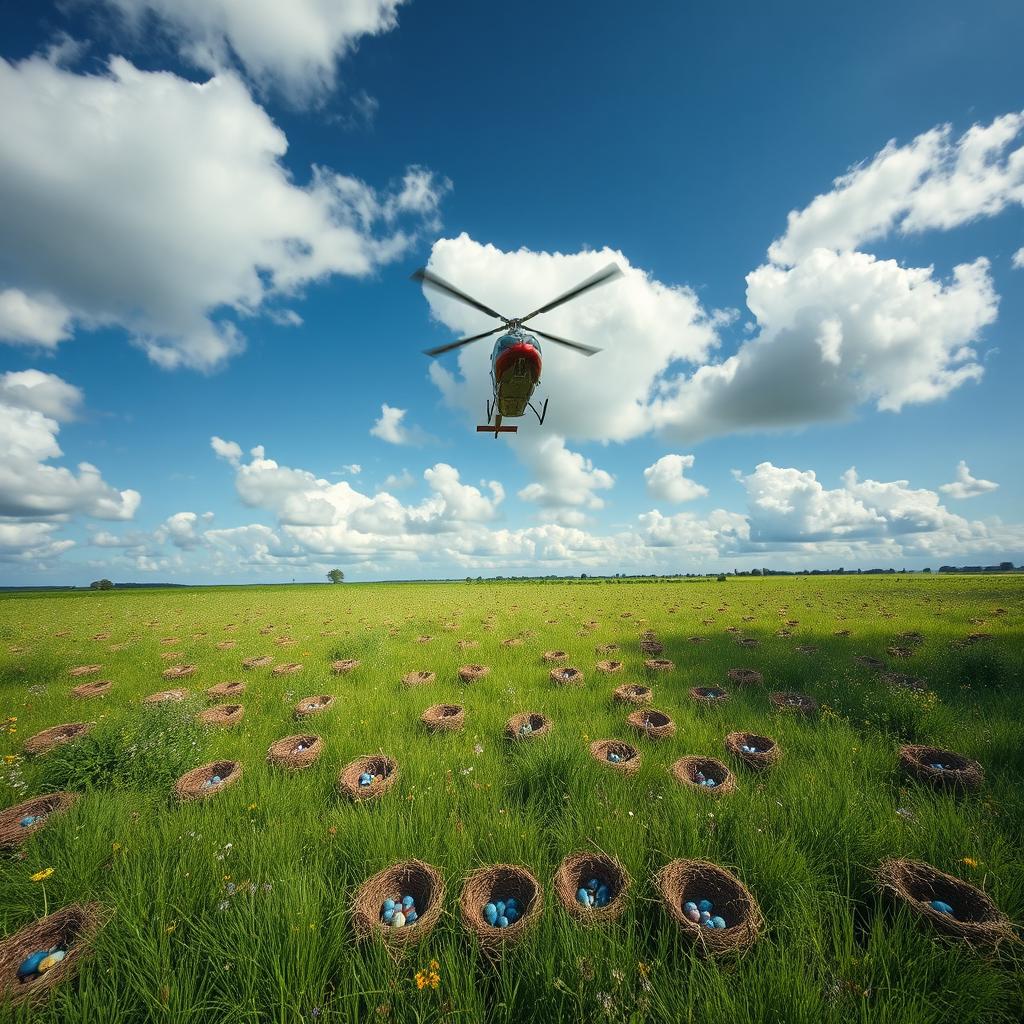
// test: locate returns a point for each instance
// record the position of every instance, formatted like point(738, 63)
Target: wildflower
point(970, 862)
point(10, 758)
point(116, 847)
point(42, 876)
point(252, 807)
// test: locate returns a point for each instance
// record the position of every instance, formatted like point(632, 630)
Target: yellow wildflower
point(970, 862)
point(42, 876)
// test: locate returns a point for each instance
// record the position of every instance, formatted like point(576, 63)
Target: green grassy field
point(237, 908)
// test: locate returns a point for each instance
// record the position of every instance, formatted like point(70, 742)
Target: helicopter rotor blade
point(430, 280)
point(609, 273)
point(587, 350)
point(441, 349)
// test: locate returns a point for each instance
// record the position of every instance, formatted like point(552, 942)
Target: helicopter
point(516, 357)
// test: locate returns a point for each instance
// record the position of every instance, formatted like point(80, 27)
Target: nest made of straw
point(166, 696)
point(866, 661)
point(286, 753)
point(632, 693)
point(383, 768)
point(470, 673)
point(683, 881)
point(659, 665)
point(46, 740)
point(262, 661)
point(958, 772)
point(235, 688)
point(606, 648)
point(768, 751)
point(540, 725)
point(178, 671)
point(71, 928)
point(566, 676)
point(40, 807)
point(191, 786)
point(579, 868)
point(444, 718)
point(97, 688)
point(651, 647)
point(902, 681)
point(686, 769)
point(609, 667)
point(914, 884)
point(313, 705)
point(789, 700)
point(709, 694)
point(287, 668)
point(421, 678)
point(554, 657)
point(499, 882)
point(225, 716)
point(344, 665)
point(407, 878)
point(84, 670)
point(629, 756)
point(655, 725)
point(745, 677)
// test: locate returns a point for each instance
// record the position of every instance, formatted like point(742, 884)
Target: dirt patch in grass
point(97, 688)
point(471, 673)
point(421, 678)
point(342, 666)
point(226, 691)
point(166, 696)
point(287, 668)
point(179, 672)
point(262, 661)
point(84, 670)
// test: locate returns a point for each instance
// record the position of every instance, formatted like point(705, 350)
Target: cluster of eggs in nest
point(702, 912)
point(502, 913)
point(399, 912)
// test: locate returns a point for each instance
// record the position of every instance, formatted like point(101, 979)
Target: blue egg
point(500, 905)
point(941, 906)
point(688, 906)
point(407, 901)
point(215, 779)
point(389, 915)
point(693, 915)
point(512, 914)
point(719, 922)
point(704, 916)
point(704, 906)
point(502, 921)
point(411, 916)
point(27, 820)
point(593, 883)
point(709, 923)
point(511, 904)
point(389, 905)
point(491, 914)
point(582, 896)
point(31, 963)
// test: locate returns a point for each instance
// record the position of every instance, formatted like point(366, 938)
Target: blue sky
point(211, 218)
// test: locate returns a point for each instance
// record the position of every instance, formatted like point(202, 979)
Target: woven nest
point(630, 756)
point(697, 639)
point(444, 718)
point(259, 662)
point(191, 786)
point(768, 751)
point(408, 878)
point(685, 771)
point(343, 666)
point(224, 716)
point(512, 641)
point(566, 676)
point(902, 681)
point(659, 665)
point(632, 693)
point(384, 768)
point(789, 700)
point(287, 668)
point(553, 657)
point(958, 772)
point(866, 661)
point(166, 696)
point(421, 678)
point(46, 740)
point(651, 648)
point(690, 881)
point(609, 667)
point(467, 645)
point(745, 677)
point(576, 871)
point(71, 928)
point(895, 651)
point(540, 725)
point(223, 691)
point(606, 649)
point(424, 639)
point(975, 918)
point(655, 725)
point(179, 671)
point(98, 688)
point(40, 807)
point(470, 673)
point(286, 754)
point(806, 649)
point(84, 670)
point(499, 882)
point(709, 694)
point(313, 705)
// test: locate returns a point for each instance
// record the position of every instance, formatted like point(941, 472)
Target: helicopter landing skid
point(495, 428)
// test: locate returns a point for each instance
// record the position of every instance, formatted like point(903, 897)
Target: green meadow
point(238, 907)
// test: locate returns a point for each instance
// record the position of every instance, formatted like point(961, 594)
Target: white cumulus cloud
point(666, 479)
point(967, 486)
point(391, 426)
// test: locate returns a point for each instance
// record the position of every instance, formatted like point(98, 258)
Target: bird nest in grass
point(262, 661)
point(632, 693)
point(198, 784)
point(609, 667)
point(224, 716)
point(689, 881)
point(287, 668)
point(697, 639)
point(45, 741)
point(896, 651)
point(659, 665)
point(494, 883)
point(709, 694)
point(554, 657)
point(71, 929)
point(539, 725)
point(748, 641)
point(223, 691)
point(84, 670)
point(629, 756)
point(179, 671)
point(956, 772)
point(606, 649)
point(745, 677)
point(407, 878)
point(866, 661)
point(444, 718)
point(765, 750)
point(470, 673)
point(789, 700)
point(166, 696)
point(915, 884)
point(313, 705)
point(421, 678)
point(566, 676)
point(36, 812)
point(655, 725)
point(651, 647)
point(295, 752)
point(343, 666)
point(97, 688)
point(383, 771)
point(689, 770)
point(902, 681)
point(576, 871)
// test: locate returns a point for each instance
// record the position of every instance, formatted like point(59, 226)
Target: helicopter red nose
point(507, 358)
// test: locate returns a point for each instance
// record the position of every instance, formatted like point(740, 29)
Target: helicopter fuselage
point(515, 372)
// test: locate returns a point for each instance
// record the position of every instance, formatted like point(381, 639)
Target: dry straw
point(975, 918)
point(223, 691)
point(224, 716)
point(313, 705)
point(470, 673)
point(421, 678)
point(576, 871)
point(768, 751)
point(632, 693)
point(287, 668)
point(958, 773)
point(659, 665)
point(709, 694)
point(629, 756)
point(45, 741)
point(286, 753)
point(866, 661)
point(685, 771)
point(606, 648)
point(609, 667)
point(98, 688)
point(71, 928)
point(566, 676)
point(384, 770)
point(166, 696)
point(540, 725)
point(178, 671)
point(690, 881)
point(553, 657)
point(42, 808)
point(902, 681)
point(407, 878)
point(444, 718)
point(789, 700)
point(745, 677)
point(651, 647)
point(192, 785)
point(499, 882)
point(84, 670)
point(343, 666)
point(655, 725)
point(261, 661)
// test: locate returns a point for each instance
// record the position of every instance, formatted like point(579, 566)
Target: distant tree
point(101, 585)
point(1006, 566)
point(722, 577)
point(336, 576)
point(583, 575)
point(755, 572)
